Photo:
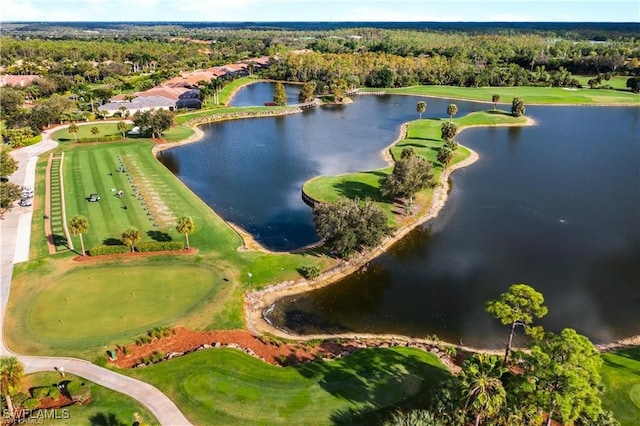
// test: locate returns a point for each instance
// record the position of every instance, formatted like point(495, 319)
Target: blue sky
point(325, 10)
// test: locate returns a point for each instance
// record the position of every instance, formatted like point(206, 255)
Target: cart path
point(15, 233)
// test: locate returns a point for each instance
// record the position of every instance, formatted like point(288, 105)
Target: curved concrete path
point(15, 234)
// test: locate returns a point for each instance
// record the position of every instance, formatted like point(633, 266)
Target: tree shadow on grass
point(112, 242)
point(360, 190)
point(375, 382)
point(60, 240)
point(105, 419)
point(500, 112)
point(159, 236)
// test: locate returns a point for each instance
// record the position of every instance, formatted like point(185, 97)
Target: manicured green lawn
point(226, 387)
point(530, 95)
point(107, 407)
point(621, 377)
point(92, 168)
point(177, 133)
point(134, 301)
point(109, 128)
point(618, 82)
point(86, 309)
point(183, 118)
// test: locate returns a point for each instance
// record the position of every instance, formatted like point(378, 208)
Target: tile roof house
point(17, 80)
point(141, 103)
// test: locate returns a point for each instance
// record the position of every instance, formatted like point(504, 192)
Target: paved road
point(15, 234)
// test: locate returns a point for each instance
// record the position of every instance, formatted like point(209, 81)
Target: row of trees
point(556, 379)
point(79, 225)
point(9, 191)
point(530, 47)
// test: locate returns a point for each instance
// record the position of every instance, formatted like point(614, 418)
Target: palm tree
point(11, 373)
point(73, 129)
point(131, 236)
point(185, 226)
point(495, 99)
point(122, 126)
point(79, 225)
point(421, 107)
point(95, 132)
point(452, 110)
point(482, 387)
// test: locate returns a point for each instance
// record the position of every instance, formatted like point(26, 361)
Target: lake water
point(556, 206)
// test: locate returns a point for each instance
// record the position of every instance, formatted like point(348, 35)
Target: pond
point(251, 171)
point(556, 205)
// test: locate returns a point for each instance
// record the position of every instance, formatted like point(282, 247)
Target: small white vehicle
point(27, 192)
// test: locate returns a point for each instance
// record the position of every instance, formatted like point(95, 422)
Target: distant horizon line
point(320, 22)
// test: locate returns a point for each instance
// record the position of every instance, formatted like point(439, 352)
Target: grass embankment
point(530, 95)
point(107, 407)
point(621, 377)
point(224, 386)
point(424, 137)
point(45, 313)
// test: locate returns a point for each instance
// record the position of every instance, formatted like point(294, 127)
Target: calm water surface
point(251, 171)
point(556, 206)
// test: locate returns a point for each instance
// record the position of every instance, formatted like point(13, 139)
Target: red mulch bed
point(134, 254)
point(48, 402)
point(184, 341)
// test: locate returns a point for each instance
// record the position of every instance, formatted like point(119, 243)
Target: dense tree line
point(128, 58)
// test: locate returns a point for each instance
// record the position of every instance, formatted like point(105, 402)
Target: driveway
point(15, 233)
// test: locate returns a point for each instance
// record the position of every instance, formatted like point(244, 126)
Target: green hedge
point(145, 247)
point(159, 246)
point(31, 404)
point(110, 138)
point(78, 391)
point(40, 391)
point(105, 250)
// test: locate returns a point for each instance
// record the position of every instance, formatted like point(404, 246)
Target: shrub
point(310, 272)
point(150, 246)
point(19, 398)
point(110, 138)
point(103, 250)
point(53, 392)
point(78, 391)
point(31, 404)
point(39, 392)
point(157, 356)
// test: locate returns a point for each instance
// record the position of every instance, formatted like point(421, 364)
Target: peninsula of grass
point(530, 95)
point(107, 407)
point(225, 386)
point(621, 377)
point(424, 136)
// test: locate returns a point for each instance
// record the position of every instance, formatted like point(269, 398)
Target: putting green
point(634, 394)
point(101, 302)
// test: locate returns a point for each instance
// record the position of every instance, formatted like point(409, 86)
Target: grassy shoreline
point(547, 96)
